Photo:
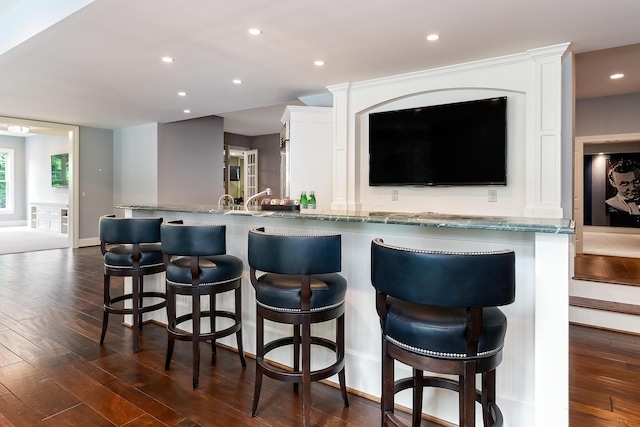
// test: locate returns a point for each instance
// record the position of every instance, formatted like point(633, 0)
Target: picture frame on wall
point(623, 189)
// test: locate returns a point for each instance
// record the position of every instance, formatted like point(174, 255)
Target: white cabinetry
point(309, 131)
point(50, 216)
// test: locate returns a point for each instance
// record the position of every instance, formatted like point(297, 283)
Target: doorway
point(235, 185)
point(601, 239)
point(71, 133)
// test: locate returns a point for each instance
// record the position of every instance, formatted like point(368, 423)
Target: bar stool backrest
point(193, 240)
point(294, 254)
point(129, 230)
point(446, 279)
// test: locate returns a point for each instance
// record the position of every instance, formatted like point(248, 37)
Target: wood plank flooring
point(53, 372)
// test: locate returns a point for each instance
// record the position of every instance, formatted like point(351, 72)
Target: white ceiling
point(100, 66)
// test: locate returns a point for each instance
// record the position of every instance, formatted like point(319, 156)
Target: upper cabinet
point(307, 152)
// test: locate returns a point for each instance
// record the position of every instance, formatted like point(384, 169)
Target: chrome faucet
point(222, 198)
point(250, 199)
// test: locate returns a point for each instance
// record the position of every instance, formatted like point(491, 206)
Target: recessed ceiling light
point(237, 81)
point(187, 111)
point(616, 76)
point(433, 37)
point(182, 93)
point(255, 31)
point(167, 59)
point(318, 63)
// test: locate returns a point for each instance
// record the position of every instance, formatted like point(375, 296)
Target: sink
point(239, 212)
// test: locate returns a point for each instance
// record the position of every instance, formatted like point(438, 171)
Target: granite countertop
point(424, 219)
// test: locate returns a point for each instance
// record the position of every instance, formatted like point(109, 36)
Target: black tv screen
point(463, 143)
point(234, 173)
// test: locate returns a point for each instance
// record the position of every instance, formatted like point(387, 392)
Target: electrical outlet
point(394, 195)
point(493, 195)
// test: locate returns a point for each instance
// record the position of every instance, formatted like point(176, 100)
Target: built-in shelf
point(50, 216)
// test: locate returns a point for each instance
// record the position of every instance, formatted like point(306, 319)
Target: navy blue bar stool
point(197, 265)
point(439, 313)
point(130, 248)
point(300, 286)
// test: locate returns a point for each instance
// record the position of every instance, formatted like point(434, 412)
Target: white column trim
point(543, 178)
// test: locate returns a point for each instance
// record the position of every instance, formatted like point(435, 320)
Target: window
point(6, 180)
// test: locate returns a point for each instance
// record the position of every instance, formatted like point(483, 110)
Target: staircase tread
point(609, 280)
point(607, 269)
point(612, 306)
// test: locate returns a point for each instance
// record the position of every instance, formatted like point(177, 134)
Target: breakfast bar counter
point(532, 381)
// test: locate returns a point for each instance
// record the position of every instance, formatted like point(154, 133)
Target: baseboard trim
point(93, 241)
point(15, 223)
point(610, 320)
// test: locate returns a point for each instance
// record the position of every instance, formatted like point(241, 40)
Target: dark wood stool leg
point(171, 324)
point(141, 300)
point(135, 291)
point(340, 355)
point(107, 302)
point(296, 352)
point(387, 400)
point(418, 387)
point(488, 396)
point(468, 395)
point(212, 323)
point(259, 359)
point(306, 371)
point(195, 337)
point(238, 319)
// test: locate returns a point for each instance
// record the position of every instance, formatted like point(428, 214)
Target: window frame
point(9, 181)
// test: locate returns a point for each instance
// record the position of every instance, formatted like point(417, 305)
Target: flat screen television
point(462, 143)
point(60, 170)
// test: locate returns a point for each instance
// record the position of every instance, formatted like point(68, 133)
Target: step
point(604, 319)
point(605, 291)
point(605, 305)
point(614, 307)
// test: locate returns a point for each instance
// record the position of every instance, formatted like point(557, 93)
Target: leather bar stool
point(197, 265)
point(439, 313)
point(300, 286)
point(130, 248)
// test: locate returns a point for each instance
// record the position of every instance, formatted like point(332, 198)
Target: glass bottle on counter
point(303, 200)
point(312, 200)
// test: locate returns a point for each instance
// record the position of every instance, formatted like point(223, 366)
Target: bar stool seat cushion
point(441, 330)
point(213, 269)
point(121, 256)
point(282, 291)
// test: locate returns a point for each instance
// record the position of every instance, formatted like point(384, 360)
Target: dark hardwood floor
point(53, 372)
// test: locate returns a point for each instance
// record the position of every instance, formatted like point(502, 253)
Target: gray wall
point(190, 161)
point(96, 190)
point(608, 115)
point(268, 147)
point(17, 144)
point(38, 151)
point(135, 164)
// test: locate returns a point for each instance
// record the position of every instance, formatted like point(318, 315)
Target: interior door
point(250, 173)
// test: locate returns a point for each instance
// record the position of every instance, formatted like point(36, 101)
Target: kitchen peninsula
point(532, 381)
